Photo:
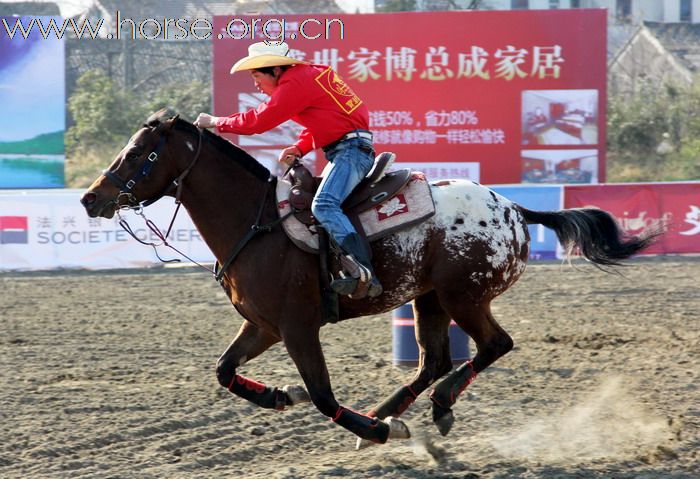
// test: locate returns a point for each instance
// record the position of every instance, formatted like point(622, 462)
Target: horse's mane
point(230, 150)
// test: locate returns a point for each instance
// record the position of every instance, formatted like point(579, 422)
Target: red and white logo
point(14, 230)
point(692, 218)
point(394, 207)
point(641, 222)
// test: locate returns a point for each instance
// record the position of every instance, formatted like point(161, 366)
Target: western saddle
point(377, 187)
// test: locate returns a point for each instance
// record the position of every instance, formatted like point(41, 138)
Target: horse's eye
point(132, 157)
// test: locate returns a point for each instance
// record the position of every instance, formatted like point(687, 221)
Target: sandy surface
point(112, 375)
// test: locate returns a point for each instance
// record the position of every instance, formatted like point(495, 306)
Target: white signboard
point(50, 229)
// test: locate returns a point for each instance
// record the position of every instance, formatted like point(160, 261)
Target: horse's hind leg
point(249, 343)
point(492, 342)
point(432, 326)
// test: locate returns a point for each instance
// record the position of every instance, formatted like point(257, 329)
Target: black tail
point(594, 232)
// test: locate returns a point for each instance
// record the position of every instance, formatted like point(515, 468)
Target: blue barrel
point(405, 348)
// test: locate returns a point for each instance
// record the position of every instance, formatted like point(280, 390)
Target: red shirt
point(313, 96)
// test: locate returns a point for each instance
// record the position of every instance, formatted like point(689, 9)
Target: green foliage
point(105, 118)
point(654, 136)
point(102, 114)
point(187, 100)
point(84, 168)
point(398, 6)
point(686, 164)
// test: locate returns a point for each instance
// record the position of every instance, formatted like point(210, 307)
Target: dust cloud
point(608, 422)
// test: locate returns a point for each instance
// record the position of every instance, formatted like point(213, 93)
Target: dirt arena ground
point(111, 375)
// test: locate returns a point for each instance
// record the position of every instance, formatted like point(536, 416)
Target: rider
point(334, 119)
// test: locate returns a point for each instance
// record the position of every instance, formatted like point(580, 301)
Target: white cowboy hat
point(262, 54)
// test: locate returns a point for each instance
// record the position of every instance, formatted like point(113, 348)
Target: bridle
point(126, 187)
point(132, 203)
point(126, 191)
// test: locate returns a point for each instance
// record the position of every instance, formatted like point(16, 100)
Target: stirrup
point(344, 286)
point(371, 288)
point(348, 286)
point(359, 282)
point(375, 287)
point(352, 273)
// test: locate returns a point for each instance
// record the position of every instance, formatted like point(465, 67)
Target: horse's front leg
point(305, 350)
point(250, 342)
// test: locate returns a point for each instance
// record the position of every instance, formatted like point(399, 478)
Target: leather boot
point(356, 262)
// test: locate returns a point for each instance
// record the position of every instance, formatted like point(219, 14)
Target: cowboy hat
point(264, 54)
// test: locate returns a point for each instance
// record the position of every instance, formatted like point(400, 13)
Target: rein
point(126, 188)
point(219, 271)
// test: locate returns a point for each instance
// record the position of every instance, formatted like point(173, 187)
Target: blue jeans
point(348, 163)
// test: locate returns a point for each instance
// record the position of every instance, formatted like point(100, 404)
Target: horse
point(451, 266)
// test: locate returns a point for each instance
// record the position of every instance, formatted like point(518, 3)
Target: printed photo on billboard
point(559, 166)
point(560, 117)
point(32, 87)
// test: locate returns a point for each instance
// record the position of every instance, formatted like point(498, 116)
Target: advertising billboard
point(543, 241)
point(493, 96)
point(648, 206)
point(32, 98)
point(49, 229)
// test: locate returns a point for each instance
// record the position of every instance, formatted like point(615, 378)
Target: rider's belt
point(349, 136)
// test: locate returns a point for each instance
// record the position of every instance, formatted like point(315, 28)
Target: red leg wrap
point(247, 383)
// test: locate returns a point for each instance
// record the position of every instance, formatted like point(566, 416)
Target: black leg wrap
point(258, 393)
point(395, 404)
point(366, 427)
point(446, 392)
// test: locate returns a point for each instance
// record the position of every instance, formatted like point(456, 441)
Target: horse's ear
point(168, 124)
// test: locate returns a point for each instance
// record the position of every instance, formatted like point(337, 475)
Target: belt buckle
point(355, 134)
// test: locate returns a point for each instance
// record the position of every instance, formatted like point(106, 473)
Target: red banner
point(485, 91)
point(641, 206)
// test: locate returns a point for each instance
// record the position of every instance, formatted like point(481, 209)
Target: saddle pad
point(409, 206)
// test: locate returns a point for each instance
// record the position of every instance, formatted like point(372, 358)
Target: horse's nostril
point(88, 199)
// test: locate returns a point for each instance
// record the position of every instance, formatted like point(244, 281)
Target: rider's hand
point(204, 120)
point(289, 154)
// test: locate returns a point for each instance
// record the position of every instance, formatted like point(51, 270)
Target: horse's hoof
point(363, 443)
point(296, 394)
point(397, 428)
point(443, 419)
